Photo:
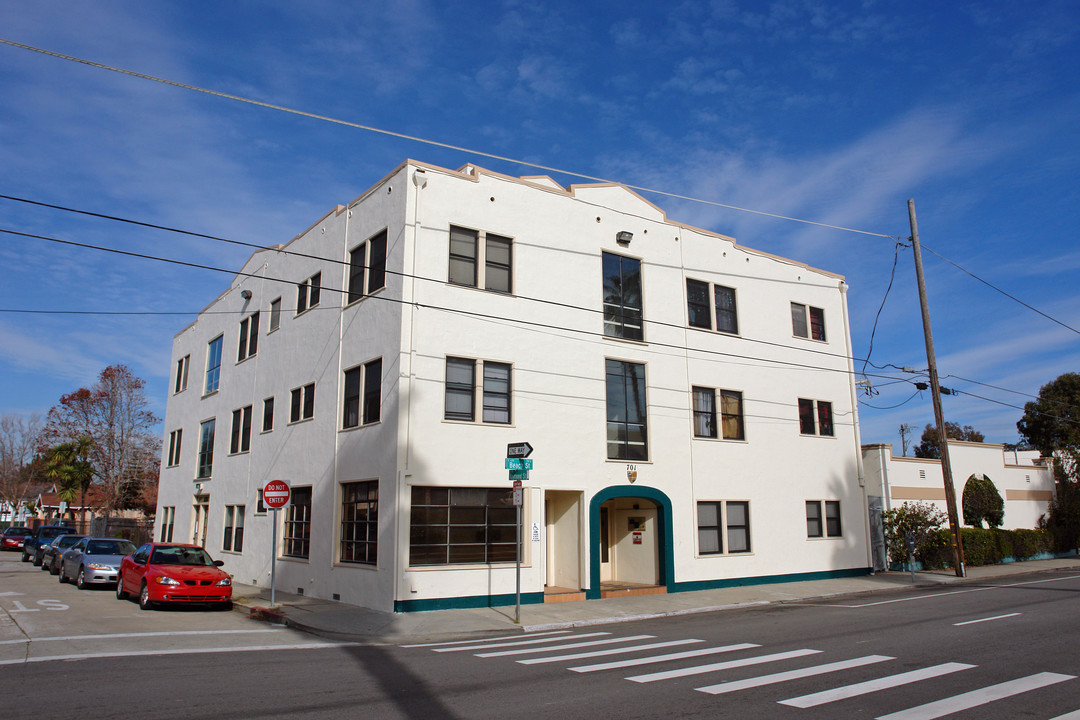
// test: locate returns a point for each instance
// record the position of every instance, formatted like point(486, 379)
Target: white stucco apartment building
point(689, 400)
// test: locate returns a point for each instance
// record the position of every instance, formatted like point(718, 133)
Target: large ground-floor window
point(359, 522)
point(297, 536)
point(459, 525)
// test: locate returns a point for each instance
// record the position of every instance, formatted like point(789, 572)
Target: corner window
point(302, 403)
point(308, 293)
point(182, 373)
point(459, 525)
point(807, 322)
point(233, 540)
point(363, 394)
point(731, 414)
point(275, 315)
point(268, 415)
point(241, 431)
point(206, 449)
point(359, 522)
point(168, 515)
point(296, 539)
point(213, 365)
point(627, 436)
point(831, 526)
point(367, 267)
point(174, 447)
point(461, 390)
point(622, 297)
point(700, 311)
point(720, 520)
point(815, 417)
point(249, 337)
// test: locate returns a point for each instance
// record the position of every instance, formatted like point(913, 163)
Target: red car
point(170, 572)
point(14, 537)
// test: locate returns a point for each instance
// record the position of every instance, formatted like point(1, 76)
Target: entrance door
point(200, 516)
point(629, 537)
point(562, 520)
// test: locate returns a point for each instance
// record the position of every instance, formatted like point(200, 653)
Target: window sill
point(469, 566)
point(305, 312)
point(293, 558)
point(208, 478)
point(628, 341)
point(360, 427)
point(822, 539)
point(241, 452)
point(244, 360)
point(742, 441)
point(209, 394)
point(370, 567)
point(504, 293)
point(726, 333)
point(300, 421)
point(809, 339)
point(706, 556)
point(823, 437)
point(232, 552)
point(478, 423)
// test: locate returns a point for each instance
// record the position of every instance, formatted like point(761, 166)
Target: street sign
point(517, 501)
point(518, 464)
point(276, 494)
point(517, 484)
point(519, 475)
point(519, 450)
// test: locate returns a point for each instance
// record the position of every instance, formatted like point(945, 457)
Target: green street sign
point(521, 475)
point(518, 464)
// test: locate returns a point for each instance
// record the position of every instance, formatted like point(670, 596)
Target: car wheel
point(120, 594)
point(52, 568)
point(144, 598)
point(25, 557)
point(80, 579)
point(62, 578)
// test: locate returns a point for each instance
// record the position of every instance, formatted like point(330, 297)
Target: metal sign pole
point(517, 594)
point(273, 561)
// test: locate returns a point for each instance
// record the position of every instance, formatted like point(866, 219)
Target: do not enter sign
point(276, 494)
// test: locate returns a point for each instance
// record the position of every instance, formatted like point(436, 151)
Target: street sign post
point(276, 495)
point(519, 450)
point(519, 469)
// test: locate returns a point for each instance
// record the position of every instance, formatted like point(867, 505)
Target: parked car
point(92, 561)
point(171, 572)
point(50, 554)
point(14, 537)
point(43, 535)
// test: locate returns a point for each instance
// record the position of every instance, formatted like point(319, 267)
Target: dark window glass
point(496, 392)
point(727, 318)
point(798, 320)
point(731, 409)
point(463, 245)
point(497, 263)
point(704, 412)
point(297, 535)
point(372, 391)
point(824, 412)
point(738, 527)
point(806, 417)
point(622, 297)
point(626, 411)
point(710, 537)
point(462, 526)
point(817, 323)
point(697, 304)
point(359, 522)
point(376, 262)
point(352, 398)
point(832, 518)
point(268, 415)
point(357, 269)
point(460, 389)
point(206, 449)
point(813, 518)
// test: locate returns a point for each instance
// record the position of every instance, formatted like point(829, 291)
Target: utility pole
point(905, 430)
point(935, 392)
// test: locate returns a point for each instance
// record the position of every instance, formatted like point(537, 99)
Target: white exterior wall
point(558, 402)
point(1024, 482)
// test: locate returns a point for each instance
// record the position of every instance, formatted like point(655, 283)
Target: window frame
point(167, 522)
point(705, 313)
point(296, 533)
point(725, 528)
point(481, 390)
point(302, 403)
point(268, 415)
point(275, 315)
point(240, 435)
point(182, 367)
point(204, 469)
point(816, 418)
point(484, 267)
point(362, 395)
point(233, 529)
point(359, 534)
point(248, 342)
point(175, 440)
point(717, 415)
point(457, 527)
point(808, 322)
point(618, 313)
point(308, 293)
point(367, 267)
point(622, 447)
point(213, 365)
point(829, 520)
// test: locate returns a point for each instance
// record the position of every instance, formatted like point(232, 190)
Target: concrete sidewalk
point(335, 620)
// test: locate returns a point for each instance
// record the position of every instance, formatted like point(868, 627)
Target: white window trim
point(725, 545)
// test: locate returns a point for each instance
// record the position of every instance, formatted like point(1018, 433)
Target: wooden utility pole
point(935, 392)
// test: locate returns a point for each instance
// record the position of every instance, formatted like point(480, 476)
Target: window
point(168, 515)
point(360, 522)
point(462, 526)
point(260, 506)
point(307, 293)
point(367, 262)
point(302, 405)
point(814, 329)
point(731, 414)
point(268, 414)
point(296, 541)
point(622, 297)
point(831, 526)
point(461, 388)
point(206, 448)
point(815, 417)
point(241, 431)
point(700, 310)
point(234, 529)
point(249, 337)
point(369, 377)
point(213, 365)
point(626, 411)
point(714, 518)
point(480, 259)
point(182, 373)
point(275, 315)
point(174, 447)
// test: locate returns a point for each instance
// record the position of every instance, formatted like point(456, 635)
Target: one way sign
point(519, 450)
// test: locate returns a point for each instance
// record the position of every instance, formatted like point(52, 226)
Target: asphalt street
point(1001, 649)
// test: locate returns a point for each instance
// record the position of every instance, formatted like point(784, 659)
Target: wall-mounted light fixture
point(246, 294)
point(623, 237)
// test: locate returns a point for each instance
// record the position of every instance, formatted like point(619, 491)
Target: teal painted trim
point(471, 601)
point(663, 533)
point(768, 579)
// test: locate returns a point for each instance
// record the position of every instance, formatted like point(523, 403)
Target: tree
point(114, 414)
point(918, 518)
point(1052, 422)
point(18, 452)
point(68, 465)
point(982, 501)
point(930, 447)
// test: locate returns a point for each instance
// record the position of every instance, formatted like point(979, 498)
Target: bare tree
point(18, 451)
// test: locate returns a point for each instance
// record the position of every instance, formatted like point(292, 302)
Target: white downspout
point(843, 287)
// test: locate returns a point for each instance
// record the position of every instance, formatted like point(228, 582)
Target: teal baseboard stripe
point(767, 579)
point(472, 601)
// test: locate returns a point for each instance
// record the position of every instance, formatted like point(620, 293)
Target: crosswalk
point(640, 651)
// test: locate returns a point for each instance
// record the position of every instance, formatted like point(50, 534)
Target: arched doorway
point(630, 542)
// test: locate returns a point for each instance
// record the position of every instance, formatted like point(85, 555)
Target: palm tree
point(68, 464)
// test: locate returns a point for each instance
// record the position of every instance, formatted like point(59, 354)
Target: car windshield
point(53, 532)
point(109, 547)
point(180, 556)
point(17, 531)
point(67, 540)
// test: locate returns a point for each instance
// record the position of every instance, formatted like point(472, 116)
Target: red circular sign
point(276, 494)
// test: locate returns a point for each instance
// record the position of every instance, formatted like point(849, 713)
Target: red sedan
point(14, 537)
point(169, 572)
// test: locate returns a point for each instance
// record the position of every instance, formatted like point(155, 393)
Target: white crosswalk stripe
point(465, 648)
point(662, 658)
point(571, 646)
point(863, 688)
point(975, 698)
point(608, 651)
point(760, 680)
point(714, 667)
point(486, 640)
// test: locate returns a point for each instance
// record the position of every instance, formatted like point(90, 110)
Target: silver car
point(50, 555)
point(94, 561)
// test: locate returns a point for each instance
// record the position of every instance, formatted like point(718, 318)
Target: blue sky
point(831, 112)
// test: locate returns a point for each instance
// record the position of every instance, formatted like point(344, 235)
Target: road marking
point(151, 653)
point(662, 658)
point(461, 648)
point(863, 688)
point(114, 636)
point(975, 698)
point(571, 646)
point(10, 594)
point(609, 651)
point(734, 685)
point(943, 594)
point(700, 669)
point(1075, 715)
point(494, 639)
point(996, 617)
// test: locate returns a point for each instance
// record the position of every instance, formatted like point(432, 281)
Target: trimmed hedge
point(984, 546)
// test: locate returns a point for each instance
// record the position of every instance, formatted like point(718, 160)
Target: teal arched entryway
point(667, 547)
